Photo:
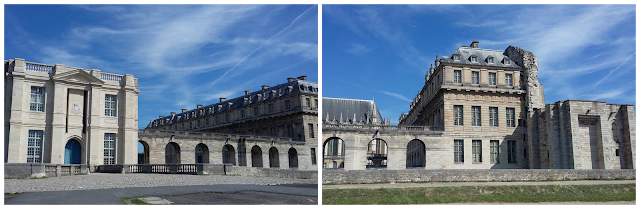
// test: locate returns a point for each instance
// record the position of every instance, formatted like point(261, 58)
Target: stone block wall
point(272, 172)
point(413, 175)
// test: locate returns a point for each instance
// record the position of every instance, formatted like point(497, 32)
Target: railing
point(163, 168)
point(110, 77)
point(143, 132)
point(50, 170)
point(378, 127)
point(31, 66)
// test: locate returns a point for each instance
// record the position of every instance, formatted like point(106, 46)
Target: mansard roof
point(362, 110)
point(292, 87)
point(465, 52)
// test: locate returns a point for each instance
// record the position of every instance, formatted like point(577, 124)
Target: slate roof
point(482, 55)
point(364, 110)
point(293, 87)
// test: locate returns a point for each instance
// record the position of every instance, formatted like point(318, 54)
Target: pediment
point(78, 76)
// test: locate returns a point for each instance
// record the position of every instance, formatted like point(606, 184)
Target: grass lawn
point(437, 195)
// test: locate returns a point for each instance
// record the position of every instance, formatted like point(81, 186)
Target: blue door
point(72, 152)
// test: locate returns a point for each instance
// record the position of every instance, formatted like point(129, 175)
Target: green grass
point(469, 194)
point(134, 201)
point(11, 194)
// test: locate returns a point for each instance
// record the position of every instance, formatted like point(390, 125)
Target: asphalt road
point(228, 194)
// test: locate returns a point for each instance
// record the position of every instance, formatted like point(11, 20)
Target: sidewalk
point(458, 184)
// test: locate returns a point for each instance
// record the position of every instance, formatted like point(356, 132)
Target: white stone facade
point(50, 109)
point(485, 109)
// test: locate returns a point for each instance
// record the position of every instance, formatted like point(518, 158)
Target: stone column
point(17, 140)
point(284, 157)
point(130, 113)
point(59, 105)
point(95, 148)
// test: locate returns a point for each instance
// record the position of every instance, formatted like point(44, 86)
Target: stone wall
point(419, 175)
point(272, 172)
point(39, 170)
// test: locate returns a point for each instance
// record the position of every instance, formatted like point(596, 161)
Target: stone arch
point(256, 156)
point(377, 154)
point(172, 153)
point(333, 153)
point(293, 158)
point(416, 155)
point(73, 151)
point(228, 154)
point(274, 158)
point(202, 153)
point(143, 158)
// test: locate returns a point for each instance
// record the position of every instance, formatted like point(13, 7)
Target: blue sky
point(182, 55)
point(383, 51)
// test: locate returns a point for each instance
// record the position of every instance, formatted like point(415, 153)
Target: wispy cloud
point(399, 96)
point(359, 49)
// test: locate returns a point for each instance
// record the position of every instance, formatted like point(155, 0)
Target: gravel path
point(105, 181)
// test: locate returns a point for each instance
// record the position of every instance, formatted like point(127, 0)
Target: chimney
point(474, 44)
point(291, 79)
point(222, 99)
point(162, 116)
point(303, 78)
point(199, 106)
point(265, 87)
point(247, 92)
point(173, 113)
point(184, 110)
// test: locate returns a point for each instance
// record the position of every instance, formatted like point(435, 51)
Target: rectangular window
point(492, 79)
point(313, 156)
point(494, 149)
point(217, 120)
point(109, 148)
point(273, 131)
point(311, 135)
point(474, 59)
point(493, 116)
point(270, 108)
point(308, 102)
point(511, 151)
point(475, 113)
point(182, 126)
point(175, 127)
point(475, 77)
point(190, 125)
point(456, 57)
point(256, 111)
point(290, 131)
point(476, 149)
point(457, 76)
point(490, 60)
point(458, 151)
point(198, 123)
point(258, 132)
point(226, 118)
point(287, 104)
point(508, 79)
point(511, 117)
point(242, 114)
point(208, 122)
point(110, 105)
point(316, 102)
point(37, 99)
point(457, 115)
point(34, 146)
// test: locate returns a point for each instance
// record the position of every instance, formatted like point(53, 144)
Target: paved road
point(453, 184)
point(101, 188)
point(235, 193)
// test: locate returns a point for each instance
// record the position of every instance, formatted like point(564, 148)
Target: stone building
point(279, 121)
point(67, 115)
point(485, 109)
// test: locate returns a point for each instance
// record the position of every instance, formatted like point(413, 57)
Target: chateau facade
point(485, 109)
point(67, 115)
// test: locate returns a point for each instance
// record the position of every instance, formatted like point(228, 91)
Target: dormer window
point(456, 57)
point(474, 59)
point(490, 60)
point(507, 61)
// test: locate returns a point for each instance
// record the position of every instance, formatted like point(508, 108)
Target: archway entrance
point(377, 154)
point(72, 152)
point(274, 160)
point(143, 152)
point(333, 153)
point(202, 153)
point(256, 156)
point(416, 154)
point(293, 158)
point(228, 154)
point(172, 153)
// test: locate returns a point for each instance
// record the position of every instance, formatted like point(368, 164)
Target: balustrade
point(38, 67)
point(110, 77)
